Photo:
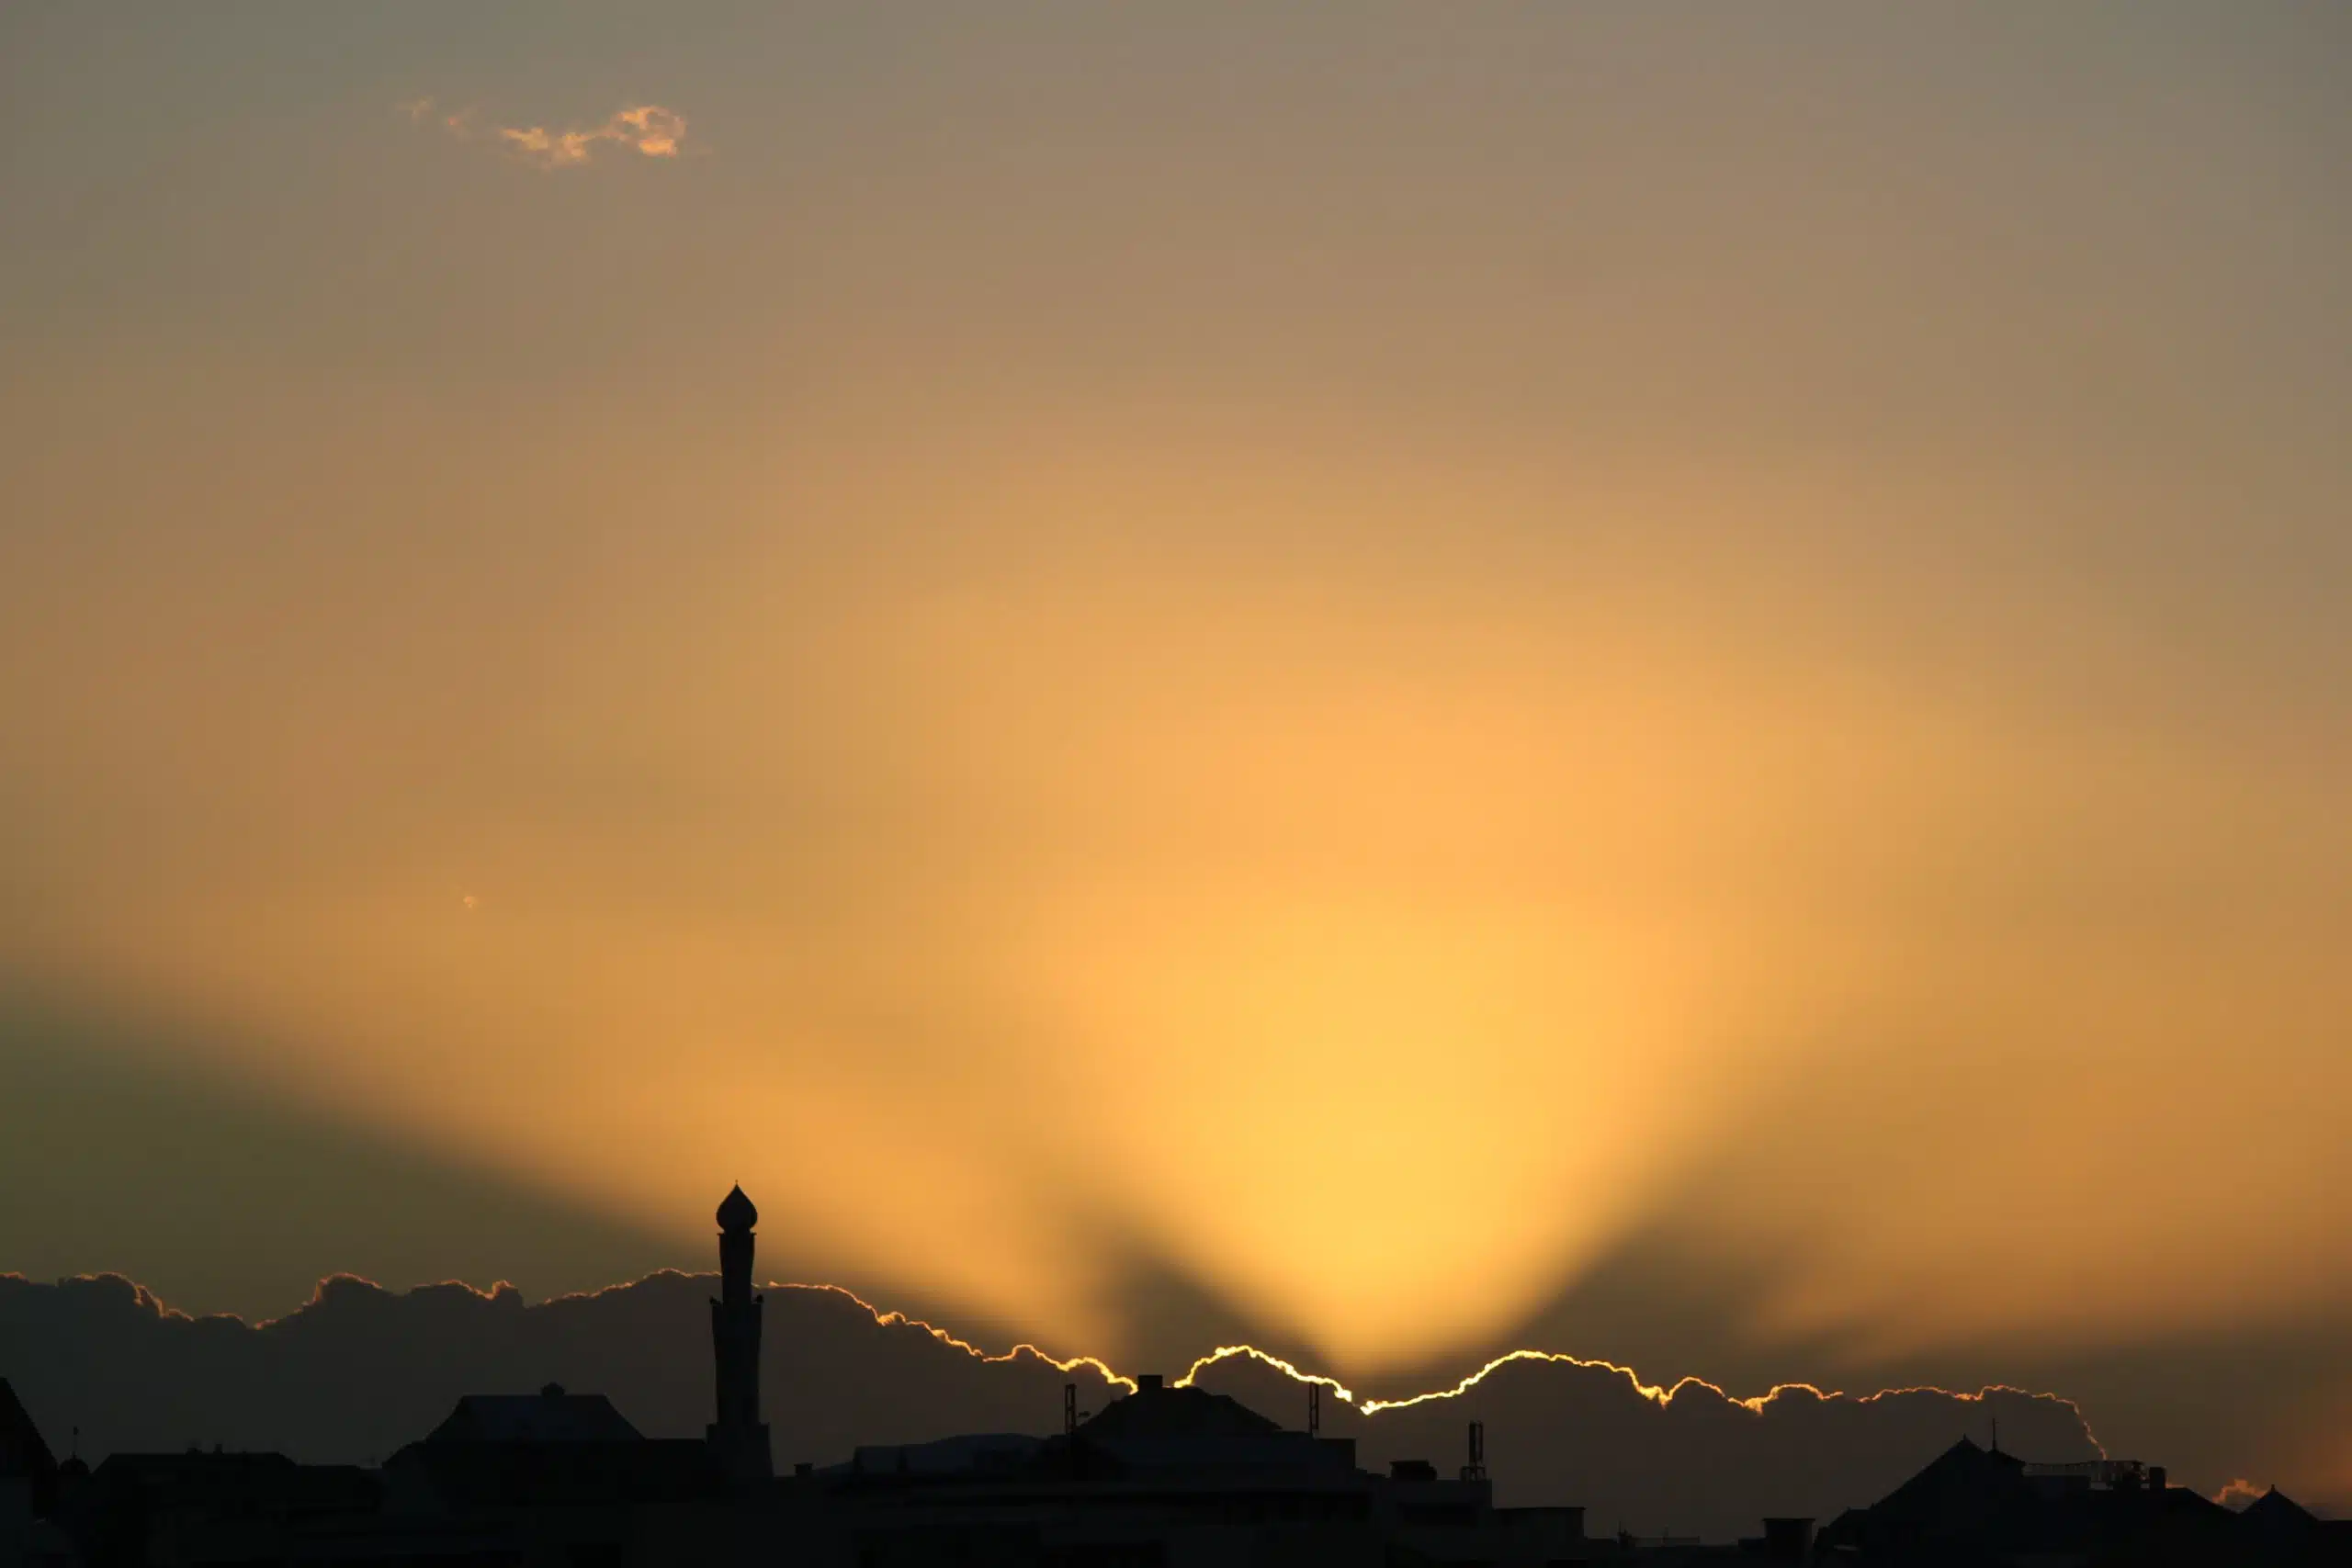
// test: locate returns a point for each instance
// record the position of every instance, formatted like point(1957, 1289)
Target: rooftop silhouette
point(910, 1444)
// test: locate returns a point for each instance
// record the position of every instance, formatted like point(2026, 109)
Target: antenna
point(1313, 1409)
point(1477, 1469)
point(1069, 1409)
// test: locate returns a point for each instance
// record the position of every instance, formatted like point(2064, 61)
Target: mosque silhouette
point(1166, 1475)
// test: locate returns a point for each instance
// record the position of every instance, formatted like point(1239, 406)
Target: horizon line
point(1660, 1395)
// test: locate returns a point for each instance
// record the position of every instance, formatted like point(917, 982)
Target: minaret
point(738, 1437)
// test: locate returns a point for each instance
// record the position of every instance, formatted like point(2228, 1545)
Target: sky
point(1339, 670)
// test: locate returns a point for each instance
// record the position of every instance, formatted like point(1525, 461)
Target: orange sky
point(1361, 650)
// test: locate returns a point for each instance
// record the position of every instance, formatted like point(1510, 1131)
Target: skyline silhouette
point(1542, 700)
point(2228, 1407)
point(355, 1368)
point(2046, 1419)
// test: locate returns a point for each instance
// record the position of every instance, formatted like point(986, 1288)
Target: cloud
point(359, 1371)
point(647, 129)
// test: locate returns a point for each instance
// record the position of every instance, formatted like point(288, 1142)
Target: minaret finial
point(737, 1212)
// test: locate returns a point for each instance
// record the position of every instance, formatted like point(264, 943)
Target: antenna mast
point(1477, 1469)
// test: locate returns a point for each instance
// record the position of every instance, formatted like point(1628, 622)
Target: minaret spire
point(738, 1437)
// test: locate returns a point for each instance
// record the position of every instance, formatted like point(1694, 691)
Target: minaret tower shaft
point(738, 1437)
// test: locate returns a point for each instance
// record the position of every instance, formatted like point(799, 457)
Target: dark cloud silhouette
point(359, 1371)
point(1690, 1459)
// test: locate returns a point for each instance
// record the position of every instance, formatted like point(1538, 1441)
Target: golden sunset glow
point(1351, 663)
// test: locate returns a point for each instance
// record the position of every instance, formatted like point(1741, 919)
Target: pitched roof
point(550, 1416)
point(22, 1452)
point(2274, 1511)
point(1963, 1480)
point(1167, 1431)
point(1196, 1413)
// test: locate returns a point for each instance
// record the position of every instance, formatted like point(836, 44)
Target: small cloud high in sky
point(647, 129)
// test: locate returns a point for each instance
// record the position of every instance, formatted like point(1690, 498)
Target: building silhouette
point(738, 1437)
point(1163, 1477)
point(1978, 1504)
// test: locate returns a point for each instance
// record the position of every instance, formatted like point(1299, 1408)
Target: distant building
point(1981, 1505)
point(1172, 1475)
point(1164, 1478)
point(27, 1470)
point(551, 1477)
point(550, 1415)
point(29, 1486)
point(216, 1507)
point(738, 1437)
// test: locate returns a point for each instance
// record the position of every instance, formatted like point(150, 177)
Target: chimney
point(1149, 1382)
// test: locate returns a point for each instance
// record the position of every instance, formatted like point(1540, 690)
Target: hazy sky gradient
point(1356, 650)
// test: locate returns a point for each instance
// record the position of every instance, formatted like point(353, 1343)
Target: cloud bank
point(359, 1371)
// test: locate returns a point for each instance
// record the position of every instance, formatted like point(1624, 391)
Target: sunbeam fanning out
point(1387, 684)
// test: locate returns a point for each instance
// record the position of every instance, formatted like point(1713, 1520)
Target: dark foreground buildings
point(1166, 1477)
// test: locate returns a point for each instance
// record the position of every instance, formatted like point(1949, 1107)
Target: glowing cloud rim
point(1657, 1394)
point(1661, 1394)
